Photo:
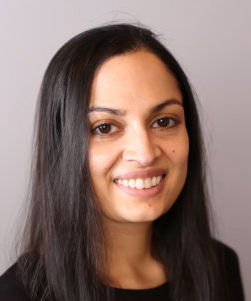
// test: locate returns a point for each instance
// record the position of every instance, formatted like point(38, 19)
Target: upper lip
point(142, 174)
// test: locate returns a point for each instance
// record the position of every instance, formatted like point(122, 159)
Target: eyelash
point(105, 124)
point(170, 119)
point(96, 130)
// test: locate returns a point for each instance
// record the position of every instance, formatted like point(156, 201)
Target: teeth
point(148, 183)
point(154, 181)
point(140, 183)
point(125, 183)
point(132, 183)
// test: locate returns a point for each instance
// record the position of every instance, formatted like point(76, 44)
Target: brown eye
point(104, 128)
point(165, 122)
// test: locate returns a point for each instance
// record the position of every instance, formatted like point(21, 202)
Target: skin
point(140, 136)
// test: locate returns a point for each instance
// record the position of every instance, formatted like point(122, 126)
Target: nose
point(141, 148)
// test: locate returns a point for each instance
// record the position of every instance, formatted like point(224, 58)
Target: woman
point(118, 204)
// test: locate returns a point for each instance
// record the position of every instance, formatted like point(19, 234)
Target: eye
point(104, 129)
point(165, 122)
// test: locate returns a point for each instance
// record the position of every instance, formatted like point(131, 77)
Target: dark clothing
point(11, 288)
point(160, 293)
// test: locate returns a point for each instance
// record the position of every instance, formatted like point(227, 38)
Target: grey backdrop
point(211, 39)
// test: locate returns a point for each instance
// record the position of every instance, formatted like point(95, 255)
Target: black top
point(11, 288)
point(160, 293)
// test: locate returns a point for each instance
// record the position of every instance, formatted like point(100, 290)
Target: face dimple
point(138, 146)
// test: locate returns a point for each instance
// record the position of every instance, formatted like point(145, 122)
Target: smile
point(140, 183)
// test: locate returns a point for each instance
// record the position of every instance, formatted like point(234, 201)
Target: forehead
point(133, 79)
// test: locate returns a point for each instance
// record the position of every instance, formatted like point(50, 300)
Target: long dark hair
point(63, 249)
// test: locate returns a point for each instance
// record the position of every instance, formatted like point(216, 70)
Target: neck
point(130, 259)
point(128, 242)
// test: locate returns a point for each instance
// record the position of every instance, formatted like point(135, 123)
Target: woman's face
point(139, 144)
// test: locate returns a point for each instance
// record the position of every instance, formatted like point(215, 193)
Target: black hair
point(62, 255)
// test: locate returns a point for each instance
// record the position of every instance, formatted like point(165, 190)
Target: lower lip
point(149, 192)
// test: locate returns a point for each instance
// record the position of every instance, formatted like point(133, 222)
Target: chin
point(145, 216)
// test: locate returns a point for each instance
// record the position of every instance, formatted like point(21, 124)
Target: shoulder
point(224, 252)
point(227, 258)
point(229, 265)
point(10, 287)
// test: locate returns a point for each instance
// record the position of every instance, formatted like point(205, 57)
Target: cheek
point(100, 159)
point(178, 150)
point(95, 157)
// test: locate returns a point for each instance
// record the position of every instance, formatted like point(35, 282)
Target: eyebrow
point(155, 109)
point(168, 102)
point(107, 110)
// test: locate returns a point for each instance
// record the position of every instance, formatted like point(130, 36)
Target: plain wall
point(212, 41)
